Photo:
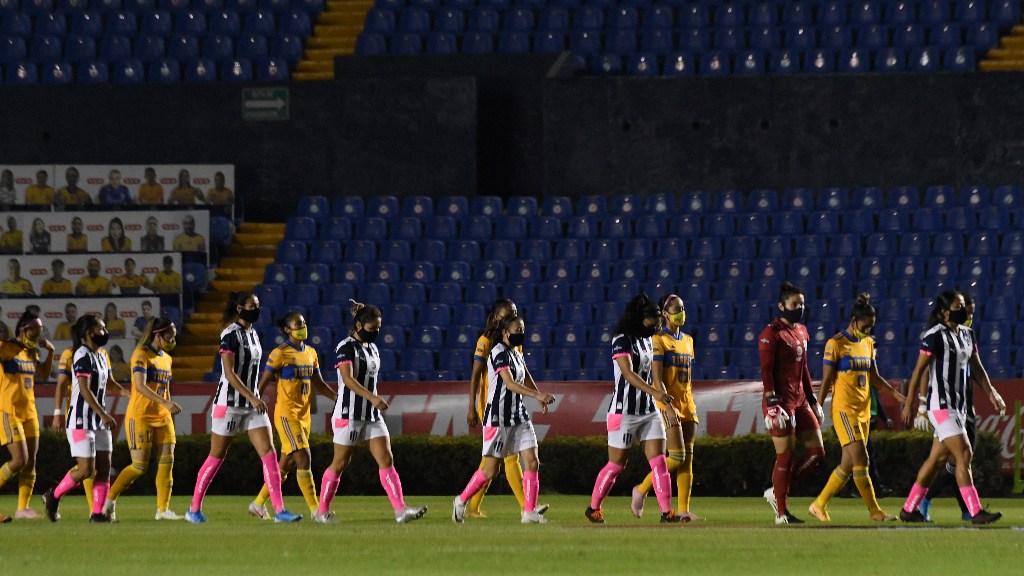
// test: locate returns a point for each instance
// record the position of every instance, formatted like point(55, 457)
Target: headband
point(34, 322)
point(164, 329)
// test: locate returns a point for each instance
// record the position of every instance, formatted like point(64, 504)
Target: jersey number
point(28, 383)
point(305, 388)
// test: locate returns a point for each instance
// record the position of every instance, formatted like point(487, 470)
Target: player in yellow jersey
point(189, 240)
point(150, 192)
point(297, 370)
point(672, 370)
point(130, 283)
point(478, 394)
point(15, 285)
point(850, 369)
point(21, 364)
point(57, 285)
point(149, 420)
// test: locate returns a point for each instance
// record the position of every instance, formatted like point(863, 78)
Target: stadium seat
point(93, 73)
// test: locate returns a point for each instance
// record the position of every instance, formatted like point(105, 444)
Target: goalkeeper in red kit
point(792, 413)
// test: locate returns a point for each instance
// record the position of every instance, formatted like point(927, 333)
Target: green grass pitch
point(736, 537)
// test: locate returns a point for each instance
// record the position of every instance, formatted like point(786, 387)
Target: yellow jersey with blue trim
point(852, 360)
point(156, 366)
point(675, 352)
point(294, 367)
point(17, 381)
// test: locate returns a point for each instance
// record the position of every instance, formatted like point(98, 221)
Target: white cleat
point(636, 504)
point(533, 518)
point(328, 517)
point(258, 511)
point(769, 495)
point(408, 514)
point(166, 515)
point(543, 508)
point(110, 510)
point(458, 511)
point(780, 520)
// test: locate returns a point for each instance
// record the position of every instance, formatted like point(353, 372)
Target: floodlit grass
point(737, 537)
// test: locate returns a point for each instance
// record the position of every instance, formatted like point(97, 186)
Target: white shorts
point(948, 423)
point(625, 429)
point(502, 441)
point(228, 420)
point(355, 432)
point(86, 443)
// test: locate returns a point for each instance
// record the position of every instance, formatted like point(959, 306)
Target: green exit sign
point(265, 103)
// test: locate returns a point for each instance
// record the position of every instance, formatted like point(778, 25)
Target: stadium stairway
point(334, 34)
point(240, 270)
point(1010, 54)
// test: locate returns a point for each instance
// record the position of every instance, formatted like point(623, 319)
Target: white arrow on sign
point(276, 104)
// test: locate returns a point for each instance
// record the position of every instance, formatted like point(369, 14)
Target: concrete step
point(226, 286)
point(190, 374)
point(341, 18)
point(1005, 54)
point(1012, 42)
point(202, 331)
point(326, 54)
point(211, 306)
point(1001, 65)
point(239, 263)
point(336, 31)
point(262, 227)
point(204, 318)
point(195, 350)
point(258, 238)
point(298, 75)
point(332, 42)
point(336, 5)
point(256, 251)
point(203, 363)
point(253, 273)
point(319, 66)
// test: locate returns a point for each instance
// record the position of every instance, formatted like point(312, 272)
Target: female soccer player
point(791, 411)
point(949, 355)
point(89, 423)
point(237, 406)
point(672, 368)
point(62, 396)
point(849, 367)
point(21, 365)
point(631, 412)
point(297, 370)
point(358, 417)
point(478, 395)
point(507, 426)
point(149, 420)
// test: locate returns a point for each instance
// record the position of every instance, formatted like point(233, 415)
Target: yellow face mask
point(301, 334)
point(168, 346)
point(678, 319)
point(969, 322)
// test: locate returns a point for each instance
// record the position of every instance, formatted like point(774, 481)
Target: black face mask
point(248, 315)
point(100, 339)
point(515, 340)
point(793, 316)
point(367, 336)
point(645, 331)
point(958, 316)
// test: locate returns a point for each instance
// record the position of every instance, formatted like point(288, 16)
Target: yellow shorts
point(850, 428)
point(683, 406)
point(14, 429)
point(294, 434)
point(142, 434)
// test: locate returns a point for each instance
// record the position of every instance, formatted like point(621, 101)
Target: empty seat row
point(135, 72)
point(77, 49)
point(143, 7)
point(159, 23)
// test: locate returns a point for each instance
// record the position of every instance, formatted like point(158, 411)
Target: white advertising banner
point(91, 275)
point(112, 232)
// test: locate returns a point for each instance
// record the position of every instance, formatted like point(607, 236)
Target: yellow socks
point(683, 468)
point(126, 478)
point(473, 506)
point(308, 487)
point(26, 482)
point(675, 458)
point(835, 483)
point(514, 473)
point(264, 495)
point(866, 489)
point(5, 474)
point(87, 486)
point(164, 482)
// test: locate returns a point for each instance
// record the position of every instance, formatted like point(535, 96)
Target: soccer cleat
point(258, 511)
point(110, 510)
point(780, 520)
point(819, 513)
point(595, 516)
point(965, 516)
point(985, 517)
point(26, 514)
point(690, 517)
point(925, 506)
point(196, 517)
point(286, 516)
point(99, 518)
point(5, 519)
point(52, 504)
point(792, 519)
point(670, 518)
point(408, 514)
point(458, 511)
point(881, 516)
point(167, 515)
point(914, 516)
point(533, 518)
point(325, 517)
point(637, 503)
point(769, 495)
point(478, 514)
point(543, 508)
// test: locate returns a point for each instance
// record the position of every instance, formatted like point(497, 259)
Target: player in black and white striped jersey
point(632, 415)
point(89, 423)
point(237, 406)
point(358, 417)
point(949, 354)
point(506, 422)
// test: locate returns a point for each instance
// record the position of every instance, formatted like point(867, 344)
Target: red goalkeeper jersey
point(784, 370)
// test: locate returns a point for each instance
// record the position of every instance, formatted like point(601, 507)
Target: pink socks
point(531, 487)
point(917, 493)
point(393, 486)
point(970, 496)
point(662, 482)
point(65, 486)
point(328, 487)
point(603, 485)
point(99, 496)
point(475, 484)
point(272, 478)
point(206, 473)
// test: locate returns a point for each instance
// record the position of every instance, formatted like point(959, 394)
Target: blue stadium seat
point(157, 23)
point(293, 251)
point(305, 295)
point(441, 228)
point(283, 274)
point(338, 294)
point(570, 249)
point(200, 70)
point(797, 199)
point(326, 252)
point(315, 273)
point(128, 72)
point(406, 228)
point(300, 228)
point(537, 250)
point(374, 293)
point(1012, 244)
point(825, 223)
point(526, 270)
point(490, 271)
point(56, 73)
point(454, 271)
point(983, 244)
point(556, 270)
point(396, 251)
point(361, 251)
point(948, 244)
point(556, 292)
point(93, 73)
point(295, 23)
point(503, 250)
point(386, 272)
point(250, 47)
point(46, 50)
point(286, 47)
point(164, 71)
point(372, 228)
point(481, 293)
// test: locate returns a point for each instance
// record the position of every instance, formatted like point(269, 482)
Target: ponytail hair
point(362, 313)
point(494, 334)
point(492, 315)
point(943, 303)
point(82, 326)
point(788, 290)
point(863, 309)
point(235, 299)
point(26, 320)
point(153, 327)
point(633, 316)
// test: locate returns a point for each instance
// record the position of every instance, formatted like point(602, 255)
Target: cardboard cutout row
point(110, 232)
point(125, 317)
point(91, 275)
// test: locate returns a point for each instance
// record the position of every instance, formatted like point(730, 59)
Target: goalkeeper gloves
point(775, 416)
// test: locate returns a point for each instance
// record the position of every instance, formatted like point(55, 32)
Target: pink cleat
point(637, 503)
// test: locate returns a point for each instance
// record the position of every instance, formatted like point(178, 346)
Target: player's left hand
point(379, 403)
point(818, 412)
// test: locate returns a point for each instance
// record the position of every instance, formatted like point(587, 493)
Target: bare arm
point(828, 380)
point(882, 384)
point(980, 375)
point(635, 381)
point(345, 370)
point(472, 418)
point(923, 361)
point(322, 388)
point(228, 368)
point(139, 380)
point(45, 369)
point(542, 398)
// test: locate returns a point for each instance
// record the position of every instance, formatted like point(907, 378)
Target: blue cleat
point(924, 507)
point(966, 516)
point(286, 516)
point(195, 517)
